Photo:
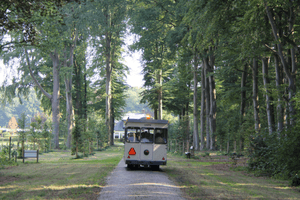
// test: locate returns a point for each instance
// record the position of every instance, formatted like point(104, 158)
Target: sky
point(135, 78)
point(132, 60)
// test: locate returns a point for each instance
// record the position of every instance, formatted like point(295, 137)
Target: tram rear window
point(161, 136)
point(147, 135)
point(133, 135)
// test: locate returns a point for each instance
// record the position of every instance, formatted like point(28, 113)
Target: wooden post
point(187, 146)
point(234, 146)
point(228, 146)
point(97, 142)
point(241, 146)
point(23, 148)
point(183, 148)
point(37, 156)
point(9, 148)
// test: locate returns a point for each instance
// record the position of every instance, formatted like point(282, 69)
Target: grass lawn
point(215, 177)
point(59, 176)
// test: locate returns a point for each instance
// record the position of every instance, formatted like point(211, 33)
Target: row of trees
point(53, 42)
point(227, 41)
point(242, 56)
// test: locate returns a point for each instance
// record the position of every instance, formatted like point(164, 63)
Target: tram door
point(147, 136)
point(160, 145)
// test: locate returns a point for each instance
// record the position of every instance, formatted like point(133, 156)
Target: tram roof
point(154, 121)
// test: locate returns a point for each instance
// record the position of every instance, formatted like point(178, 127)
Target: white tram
point(145, 142)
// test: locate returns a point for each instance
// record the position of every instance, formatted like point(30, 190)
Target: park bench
point(31, 154)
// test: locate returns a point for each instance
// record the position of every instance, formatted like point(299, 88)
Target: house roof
point(133, 116)
point(119, 126)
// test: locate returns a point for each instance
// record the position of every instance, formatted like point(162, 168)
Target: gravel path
point(142, 183)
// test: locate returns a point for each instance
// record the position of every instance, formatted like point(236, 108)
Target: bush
point(276, 155)
point(4, 161)
point(263, 154)
point(296, 179)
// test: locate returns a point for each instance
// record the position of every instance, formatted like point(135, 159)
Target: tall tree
point(109, 27)
point(280, 40)
point(195, 112)
point(269, 98)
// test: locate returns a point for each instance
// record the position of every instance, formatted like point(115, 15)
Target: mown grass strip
point(213, 178)
point(59, 176)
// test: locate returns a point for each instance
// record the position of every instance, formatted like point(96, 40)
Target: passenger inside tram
point(146, 137)
point(160, 137)
point(132, 137)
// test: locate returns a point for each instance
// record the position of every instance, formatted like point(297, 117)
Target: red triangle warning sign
point(132, 151)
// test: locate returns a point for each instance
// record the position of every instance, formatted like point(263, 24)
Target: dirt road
point(142, 183)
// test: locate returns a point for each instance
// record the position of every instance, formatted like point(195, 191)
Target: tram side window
point(160, 136)
point(133, 135)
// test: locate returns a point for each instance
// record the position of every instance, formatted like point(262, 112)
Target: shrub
point(4, 161)
point(276, 155)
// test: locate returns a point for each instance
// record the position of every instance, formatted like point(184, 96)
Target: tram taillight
point(132, 151)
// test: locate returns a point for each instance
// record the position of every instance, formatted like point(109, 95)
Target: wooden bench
point(31, 154)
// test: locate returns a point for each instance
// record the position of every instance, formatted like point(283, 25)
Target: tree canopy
point(231, 64)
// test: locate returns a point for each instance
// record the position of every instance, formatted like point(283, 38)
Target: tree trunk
point(213, 104)
point(286, 67)
point(160, 94)
point(243, 93)
point(278, 85)
point(202, 114)
point(228, 146)
point(269, 98)
point(213, 108)
point(195, 132)
point(55, 98)
point(69, 102)
point(112, 126)
point(255, 95)
point(234, 146)
point(69, 109)
point(243, 99)
point(108, 87)
point(207, 103)
point(155, 113)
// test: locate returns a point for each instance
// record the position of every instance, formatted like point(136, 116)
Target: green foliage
point(172, 36)
point(276, 156)
point(102, 138)
point(77, 139)
point(178, 132)
point(133, 101)
point(30, 105)
point(47, 137)
point(4, 156)
point(262, 155)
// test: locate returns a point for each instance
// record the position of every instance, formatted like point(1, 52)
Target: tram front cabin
point(145, 142)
